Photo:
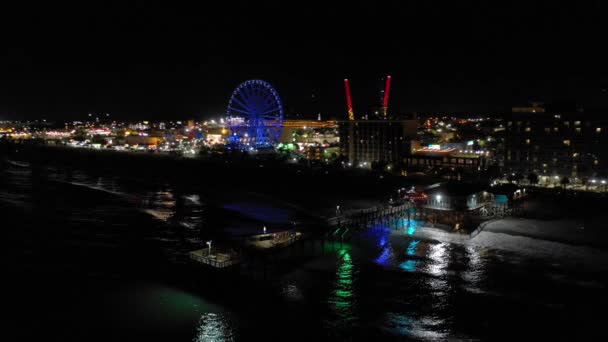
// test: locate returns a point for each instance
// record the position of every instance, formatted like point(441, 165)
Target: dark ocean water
point(93, 258)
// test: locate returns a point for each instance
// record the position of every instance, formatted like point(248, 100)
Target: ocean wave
point(539, 248)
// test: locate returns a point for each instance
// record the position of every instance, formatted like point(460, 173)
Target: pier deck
point(219, 260)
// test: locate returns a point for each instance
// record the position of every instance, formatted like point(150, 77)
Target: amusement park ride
point(255, 115)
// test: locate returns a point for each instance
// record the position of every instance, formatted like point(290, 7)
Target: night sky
point(139, 60)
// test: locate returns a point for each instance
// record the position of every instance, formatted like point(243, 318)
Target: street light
point(337, 210)
point(209, 244)
point(264, 229)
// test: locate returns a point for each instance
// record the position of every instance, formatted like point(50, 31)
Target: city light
point(121, 208)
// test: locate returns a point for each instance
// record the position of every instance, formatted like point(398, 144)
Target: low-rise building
point(456, 205)
point(431, 157)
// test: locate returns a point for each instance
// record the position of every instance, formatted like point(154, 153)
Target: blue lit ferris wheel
point(255, 114)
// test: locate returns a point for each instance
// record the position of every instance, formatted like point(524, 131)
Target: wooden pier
point(260, 242)
point(219, 260)
point(371, 215)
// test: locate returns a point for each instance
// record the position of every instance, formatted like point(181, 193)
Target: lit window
point(595, 162)
point(528, 129)
point(547, 130)
point(556, 129)
point(527, 141)
point(578, 130)
point(567, 142)
point(574, 155)
point(598, 130)
point(567, 123)
point(577, 123)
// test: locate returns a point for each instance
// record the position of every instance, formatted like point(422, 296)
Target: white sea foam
point(97, 188)
point(539, 248)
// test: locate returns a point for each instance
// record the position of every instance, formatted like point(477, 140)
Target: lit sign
point(470, 143)
point(434, 147)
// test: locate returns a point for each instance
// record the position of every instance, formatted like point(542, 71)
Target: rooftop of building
point(309, 123)
point(435, 151)
point(455, 189)
point(451, 152)
point(378, 120)
point(506, 189)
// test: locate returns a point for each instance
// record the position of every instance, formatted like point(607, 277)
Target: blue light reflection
point(410, 264)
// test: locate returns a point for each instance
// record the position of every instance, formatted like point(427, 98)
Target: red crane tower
point(387, 89)
point(349, 102)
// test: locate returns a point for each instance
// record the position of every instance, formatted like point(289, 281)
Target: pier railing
point(363, 215)
point(218, 260)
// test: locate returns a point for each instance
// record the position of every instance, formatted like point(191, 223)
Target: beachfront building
point(457, 206)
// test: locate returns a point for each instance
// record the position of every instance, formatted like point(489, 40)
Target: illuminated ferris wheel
point(255, 114)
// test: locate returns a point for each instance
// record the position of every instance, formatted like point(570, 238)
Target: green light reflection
point(342, 297)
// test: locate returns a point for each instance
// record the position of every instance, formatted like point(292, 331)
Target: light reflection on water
point(385, 256)
point(437, 280)
point(410, 264)
point(474, 272)
point(161, 204)
point(438, 259)
point(389, 254)
point(342, 299)
point(428, 262)
point(426, 328)
point(214, 327)
point(292, 292)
